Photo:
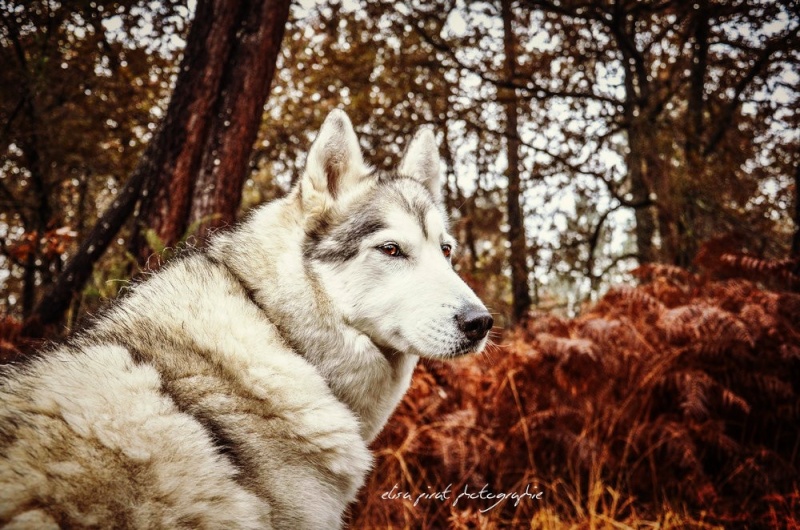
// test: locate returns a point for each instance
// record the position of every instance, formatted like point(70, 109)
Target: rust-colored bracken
point(676, 402)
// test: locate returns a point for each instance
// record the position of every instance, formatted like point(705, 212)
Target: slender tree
point(518, 256)
point(794, 253)
point(75, 111)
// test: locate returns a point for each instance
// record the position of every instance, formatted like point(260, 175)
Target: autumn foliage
point(676, 402)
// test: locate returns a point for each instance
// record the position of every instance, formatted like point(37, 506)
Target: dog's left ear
point(421, 161)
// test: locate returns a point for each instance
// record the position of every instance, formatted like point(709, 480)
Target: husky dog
point(239, 386)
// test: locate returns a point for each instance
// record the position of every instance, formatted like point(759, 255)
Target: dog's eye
point(391, 249)
point(446, 250)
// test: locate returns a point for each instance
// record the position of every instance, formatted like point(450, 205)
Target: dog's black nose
point(475, 322)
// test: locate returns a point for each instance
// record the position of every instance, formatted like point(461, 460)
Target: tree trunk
point(163, 178)
point(684, 203)
point(516, 220)
point(640, 191)
point(640, 166)
point(236, 50)
point(795, 252)
point(41, 214)
point(237, 116)
point(177, 153)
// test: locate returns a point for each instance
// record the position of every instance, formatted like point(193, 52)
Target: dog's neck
point(269, 263)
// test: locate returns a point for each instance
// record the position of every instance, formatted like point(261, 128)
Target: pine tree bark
point(518, 256)
point(244, 89)
point(237, 48)
point(177, 154)
point(163, 180)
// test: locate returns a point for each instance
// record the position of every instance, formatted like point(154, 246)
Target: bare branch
point(724, 119)
point(530, 89)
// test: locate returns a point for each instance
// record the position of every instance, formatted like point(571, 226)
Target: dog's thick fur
point(239, 386)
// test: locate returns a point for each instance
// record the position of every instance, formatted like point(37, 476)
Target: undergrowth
point(673, 404)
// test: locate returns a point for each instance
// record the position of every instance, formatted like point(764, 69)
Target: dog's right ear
point(421, 161)
point(334, 162)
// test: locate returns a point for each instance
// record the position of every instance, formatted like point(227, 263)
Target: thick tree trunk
point(177, 154)
point(236, 49)
point(164, 176)
point(237, 116)
point(516, 220)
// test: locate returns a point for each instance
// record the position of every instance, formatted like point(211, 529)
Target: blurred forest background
point(622, 176)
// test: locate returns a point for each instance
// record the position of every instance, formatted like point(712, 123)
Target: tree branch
point(530, 89)
point(726, 116)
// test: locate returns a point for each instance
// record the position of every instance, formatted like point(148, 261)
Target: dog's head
point(379, 247)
